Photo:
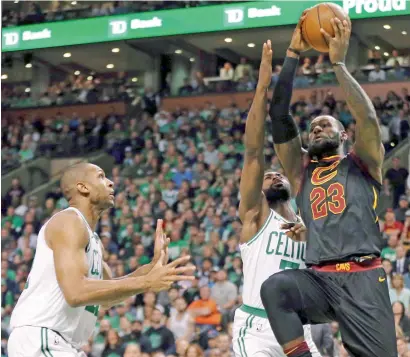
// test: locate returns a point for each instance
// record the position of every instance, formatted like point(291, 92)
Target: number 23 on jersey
point(323, 200)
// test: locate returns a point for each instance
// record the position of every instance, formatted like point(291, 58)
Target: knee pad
point(280, 289)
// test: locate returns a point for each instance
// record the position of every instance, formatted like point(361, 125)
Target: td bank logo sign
point(237, 16)
point(13, 39)
point(120, 27)
point(373, 6)
point(234, 16)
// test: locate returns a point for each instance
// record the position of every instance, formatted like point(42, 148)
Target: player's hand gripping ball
point(320, 17)
point(298, 42)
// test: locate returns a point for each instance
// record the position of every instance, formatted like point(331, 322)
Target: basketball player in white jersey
point(69, 281)
point(264, 210)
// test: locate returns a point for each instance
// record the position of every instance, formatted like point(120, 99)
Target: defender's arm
point(67, 236)
point(252, 171)
point(68, 239)
point(253, 167)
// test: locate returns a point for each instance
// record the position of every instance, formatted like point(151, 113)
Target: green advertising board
point(182, 21)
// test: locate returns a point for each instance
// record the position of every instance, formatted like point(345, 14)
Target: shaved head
point(339, 124)
point(74, 175)
point(85, 183)
point(267, 172)
point(333, 120)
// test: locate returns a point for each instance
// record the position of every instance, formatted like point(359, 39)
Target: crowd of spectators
point(25, 139)
point(75, 89)
point(31, 12)
point(80, 89)
point(185, 168)
point(223, 130)
point(312, 71)
point(375, 57)
point(96, 88)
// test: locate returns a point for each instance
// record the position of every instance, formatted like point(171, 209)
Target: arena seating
point(183, 166)
point(181, 163)
point(30, 12)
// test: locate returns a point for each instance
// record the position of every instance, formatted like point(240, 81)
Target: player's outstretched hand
point(265, 69)
point(295, 231)
point(161, 277)
point(161, 243)
point(298, 43)
point(338, 44)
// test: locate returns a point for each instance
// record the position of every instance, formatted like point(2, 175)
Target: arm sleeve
point(282, 93)
point(283, 126)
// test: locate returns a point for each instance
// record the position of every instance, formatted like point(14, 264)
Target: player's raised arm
point(286, 138)
point(254, 162)
point(368, 145)
point(68, 237)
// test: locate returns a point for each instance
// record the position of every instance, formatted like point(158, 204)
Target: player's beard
point(326, 147)
point(276, 195)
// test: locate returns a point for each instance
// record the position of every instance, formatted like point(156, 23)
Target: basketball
point(319, 17)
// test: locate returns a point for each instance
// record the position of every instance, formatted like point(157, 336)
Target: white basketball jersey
point(267, 253)
point(42, 302)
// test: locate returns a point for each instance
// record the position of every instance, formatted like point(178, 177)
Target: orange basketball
point(319, 17)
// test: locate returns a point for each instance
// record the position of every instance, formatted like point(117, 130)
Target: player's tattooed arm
point(368, 145)
point(254, 162)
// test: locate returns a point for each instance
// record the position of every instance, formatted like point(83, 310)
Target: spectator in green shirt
point(137, 169)
point(25, 152)
point(326, 77)
point(176, 245)
point(160, 337)
point(16, 221)
point(139, 254)
point(7, 297)
point(389, 252)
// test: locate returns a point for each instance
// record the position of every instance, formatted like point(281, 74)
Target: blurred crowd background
point(32, 12)
point(181, 163)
